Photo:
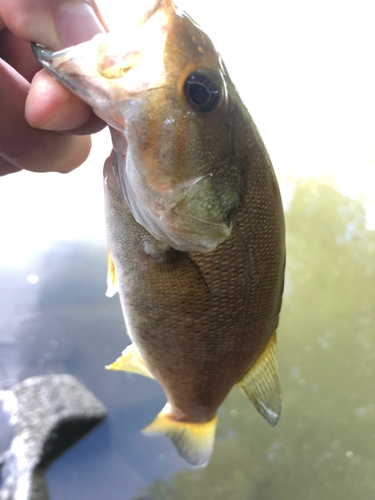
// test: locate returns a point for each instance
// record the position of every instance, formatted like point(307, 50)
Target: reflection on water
point(324, 444)
point(63, 323)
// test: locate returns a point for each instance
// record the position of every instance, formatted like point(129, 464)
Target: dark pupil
point(198, 94)
point(201, 92)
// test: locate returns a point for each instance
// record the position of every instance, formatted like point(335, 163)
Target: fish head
point(164, 90)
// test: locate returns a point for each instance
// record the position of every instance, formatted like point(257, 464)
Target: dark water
point(324, 445)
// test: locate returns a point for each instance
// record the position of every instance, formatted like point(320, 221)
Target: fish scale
point(194, 221)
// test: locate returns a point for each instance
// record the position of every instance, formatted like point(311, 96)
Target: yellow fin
point(261, 383)
point(194, 441)
point(112, 284)
point(130, 361)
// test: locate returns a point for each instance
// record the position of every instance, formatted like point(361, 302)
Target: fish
point(194, 220)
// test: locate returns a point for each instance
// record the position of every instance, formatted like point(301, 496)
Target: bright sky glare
point(304, 70)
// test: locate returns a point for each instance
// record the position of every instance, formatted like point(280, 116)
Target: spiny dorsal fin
point(130, 361)
point(261, 383)
point(194, 441)
point(112, 284)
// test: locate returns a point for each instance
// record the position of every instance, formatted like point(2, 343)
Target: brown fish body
point(194, 222)
point(200, 320)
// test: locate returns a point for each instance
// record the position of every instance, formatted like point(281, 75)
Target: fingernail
point(76, 22)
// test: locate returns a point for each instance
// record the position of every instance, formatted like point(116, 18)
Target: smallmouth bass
point(194, 220)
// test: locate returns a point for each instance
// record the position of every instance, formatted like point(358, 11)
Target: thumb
point(55, 24)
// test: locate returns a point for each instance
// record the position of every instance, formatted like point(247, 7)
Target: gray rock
point(48, 414)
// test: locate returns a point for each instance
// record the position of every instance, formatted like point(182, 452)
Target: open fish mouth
point(64, 67)
point(42, 53)
point(112, 68)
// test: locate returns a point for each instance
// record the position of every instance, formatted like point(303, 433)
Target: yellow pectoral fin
point(112, 284)
point(194, 441)
point(261, 383)
point(130, 361)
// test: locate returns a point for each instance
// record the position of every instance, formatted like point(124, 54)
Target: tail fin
point(194, 441)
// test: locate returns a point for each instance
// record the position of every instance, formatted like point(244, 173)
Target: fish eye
point(202, 92)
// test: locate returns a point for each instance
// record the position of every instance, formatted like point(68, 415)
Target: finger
point(29, 148)
point(50, 106)
point(18, 54)
point(53, 24)
point(7, 168)
point(56, 25)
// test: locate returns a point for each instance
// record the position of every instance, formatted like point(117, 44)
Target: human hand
point(43, 126)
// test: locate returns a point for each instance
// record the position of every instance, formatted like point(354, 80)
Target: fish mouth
point(61, 65)
point(111, 68)
point(43, 54)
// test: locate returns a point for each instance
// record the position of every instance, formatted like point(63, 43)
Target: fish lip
point(45, 55)
point(70, 78)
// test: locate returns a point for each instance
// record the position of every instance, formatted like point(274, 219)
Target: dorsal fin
point(261, 383)
point(130, 361)
point(112, 284)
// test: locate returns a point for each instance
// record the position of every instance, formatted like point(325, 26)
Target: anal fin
point(261, 383)
point(112, 284)
point(194, 441)
point(130, 361)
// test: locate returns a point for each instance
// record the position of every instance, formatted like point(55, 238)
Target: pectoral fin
point(130, 361)
point(112, 284)
point(261, 383)
point(194, 441)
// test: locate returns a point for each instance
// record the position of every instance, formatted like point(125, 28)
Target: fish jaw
point(107, 71)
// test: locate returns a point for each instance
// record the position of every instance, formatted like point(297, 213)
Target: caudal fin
point(193, 441)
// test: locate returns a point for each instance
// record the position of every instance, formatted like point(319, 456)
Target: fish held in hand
point(194, 220)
